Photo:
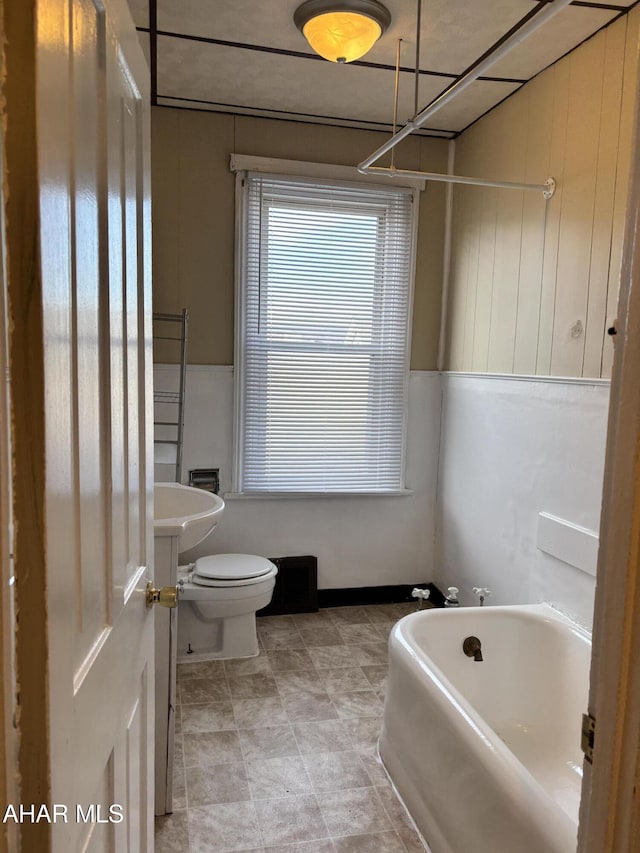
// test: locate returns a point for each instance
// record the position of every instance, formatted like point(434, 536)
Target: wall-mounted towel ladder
point(168, 404)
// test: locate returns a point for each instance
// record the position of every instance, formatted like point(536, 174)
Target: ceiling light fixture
point(343, 30)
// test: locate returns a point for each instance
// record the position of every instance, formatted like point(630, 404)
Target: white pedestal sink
point(182, 518)
point(190, 514)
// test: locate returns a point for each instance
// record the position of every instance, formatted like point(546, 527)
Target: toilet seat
point(226, 570)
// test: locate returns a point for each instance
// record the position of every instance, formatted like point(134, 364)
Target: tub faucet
point(472, 647)
point(481, 592)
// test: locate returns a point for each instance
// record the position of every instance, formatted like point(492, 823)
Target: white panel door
point(93, 153)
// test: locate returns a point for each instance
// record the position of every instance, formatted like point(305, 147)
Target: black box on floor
point(296, 589)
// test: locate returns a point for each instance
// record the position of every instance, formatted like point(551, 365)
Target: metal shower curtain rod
point(548, 188)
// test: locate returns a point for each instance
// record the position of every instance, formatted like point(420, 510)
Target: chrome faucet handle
point(481, 592)
point(421, 595)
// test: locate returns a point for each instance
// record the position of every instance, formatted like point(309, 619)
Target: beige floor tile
point(280, 638)
point(201, 669)
point(359, 634)
point(371, 654)
point(331, 657)
point(411, 841)
point(205, 748)
point(217, 783)
point(344, 679)
point(282, 660)
point(376, 676)
point(290, 819)
point(278, 777)
point(198, 690)
point(171, 833)
point(322, 736)
point(395, 810)
point(355, 812)
point(208, 717)
point(224, 828)
point(298, 681)
point(374, 768)
point(384, 629)
point(361, 703)
point(364, 731)
point(268, 742)
point(324, 636)
point(179, 788)
point(383, 613)
point(250, 713)
point(312, 620)
point(349, 615)
point(280, 749)
point(254, 686)
point(321, 846)
point(178, 750)
point(404, 608)
point(247, 666)
point(336, 771)
point(380, 842)
point(303, 708)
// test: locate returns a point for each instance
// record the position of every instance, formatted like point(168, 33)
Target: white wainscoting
point(512, 448)
point(359, 541)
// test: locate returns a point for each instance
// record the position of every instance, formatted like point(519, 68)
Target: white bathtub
point(486, 755)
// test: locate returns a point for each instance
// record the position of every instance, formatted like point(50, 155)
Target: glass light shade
point(342, 36)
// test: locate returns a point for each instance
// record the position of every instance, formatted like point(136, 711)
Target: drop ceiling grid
point(301, 87)
point(453, 33)
point(253, 112)
point(281, 83)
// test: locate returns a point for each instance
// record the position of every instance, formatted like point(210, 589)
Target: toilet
point(219, 597)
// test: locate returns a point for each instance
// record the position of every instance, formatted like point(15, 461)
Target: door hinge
point(588, 736)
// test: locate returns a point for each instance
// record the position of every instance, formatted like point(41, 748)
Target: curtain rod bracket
point(550, 185)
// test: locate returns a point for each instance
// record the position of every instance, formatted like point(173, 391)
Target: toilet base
point(217, 638)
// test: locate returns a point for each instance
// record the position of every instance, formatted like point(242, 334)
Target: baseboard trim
point(361, 595)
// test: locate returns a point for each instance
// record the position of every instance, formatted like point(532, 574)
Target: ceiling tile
point(143, 38)
point(568, 29)
point(266, 81)
point(454, 32)
point(139, 12)
point(471, 103)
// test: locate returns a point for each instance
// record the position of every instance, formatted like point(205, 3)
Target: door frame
point(610, 805)
point(25, 776)
point(8, 740)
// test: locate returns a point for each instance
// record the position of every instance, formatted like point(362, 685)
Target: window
point(322, 344)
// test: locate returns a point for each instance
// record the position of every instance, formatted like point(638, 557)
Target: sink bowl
point(190, 514)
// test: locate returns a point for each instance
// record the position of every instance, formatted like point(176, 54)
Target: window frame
point(241, 227)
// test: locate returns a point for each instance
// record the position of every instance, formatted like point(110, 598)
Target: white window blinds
point(322, 354)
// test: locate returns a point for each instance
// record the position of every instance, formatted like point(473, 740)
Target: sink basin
point(190, 514)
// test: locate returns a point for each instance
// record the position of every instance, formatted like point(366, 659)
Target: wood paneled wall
point(534, 284)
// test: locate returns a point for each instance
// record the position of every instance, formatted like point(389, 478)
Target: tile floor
point(277, 754)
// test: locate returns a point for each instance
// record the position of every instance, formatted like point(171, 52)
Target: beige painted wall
point(193, 217)
point(534, 285)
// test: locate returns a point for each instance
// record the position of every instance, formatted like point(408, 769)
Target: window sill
point(249, 496)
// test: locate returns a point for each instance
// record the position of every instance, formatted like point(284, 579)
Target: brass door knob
point(166, 596)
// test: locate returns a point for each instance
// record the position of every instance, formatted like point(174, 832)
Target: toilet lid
point(232, 567)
